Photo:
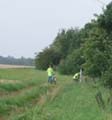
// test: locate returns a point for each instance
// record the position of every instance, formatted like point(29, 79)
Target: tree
point(46, 57)
point(66, 41)
point(72, 63)
point(96, 53)
point(105, 19)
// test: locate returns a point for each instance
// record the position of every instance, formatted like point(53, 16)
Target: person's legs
point(53, 80)
point(50, 79)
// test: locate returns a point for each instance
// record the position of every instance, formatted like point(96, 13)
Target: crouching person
point(76, 77)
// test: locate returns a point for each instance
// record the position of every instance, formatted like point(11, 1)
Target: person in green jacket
point(50, 73)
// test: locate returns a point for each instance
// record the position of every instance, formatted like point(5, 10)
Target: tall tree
point(46, 57)
point(96, 52)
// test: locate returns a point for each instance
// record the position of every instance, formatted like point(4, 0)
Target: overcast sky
point(28, 26)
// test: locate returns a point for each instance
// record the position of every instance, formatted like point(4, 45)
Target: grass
point(73, 103)
point(25, 78)
point(31, 98)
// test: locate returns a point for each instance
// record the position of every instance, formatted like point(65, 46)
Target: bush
point(72, 63)
point(107, 78)
point(46, 57)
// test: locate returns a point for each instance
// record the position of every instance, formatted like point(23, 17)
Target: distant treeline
point(16, 61)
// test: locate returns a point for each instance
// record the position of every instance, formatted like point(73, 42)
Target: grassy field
point(26, 95)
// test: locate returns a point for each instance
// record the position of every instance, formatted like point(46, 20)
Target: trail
point(51, 94)
point(1, 118)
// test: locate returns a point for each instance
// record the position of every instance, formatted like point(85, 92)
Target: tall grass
point(74, 101)
point(25, 78)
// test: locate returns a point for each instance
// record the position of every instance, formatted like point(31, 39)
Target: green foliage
point(96, 53)
point(48, 56)
point(105, 19)
point(107, 77)
point(63, 45)
point(67, 41)
point(72, 63)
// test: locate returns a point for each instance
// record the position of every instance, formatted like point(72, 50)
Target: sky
point(28, 26)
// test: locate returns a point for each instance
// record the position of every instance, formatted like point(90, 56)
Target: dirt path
point(51, 94)
point(1, 118)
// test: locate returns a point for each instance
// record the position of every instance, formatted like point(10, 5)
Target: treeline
point(16, 61)
point(89, 48)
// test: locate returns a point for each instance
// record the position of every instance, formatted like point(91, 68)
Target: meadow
point(26, 95)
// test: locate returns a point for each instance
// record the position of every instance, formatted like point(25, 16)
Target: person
point(50, 73)
point(76, 76)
